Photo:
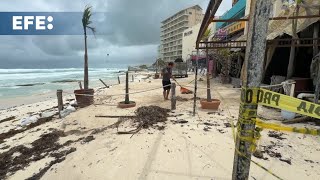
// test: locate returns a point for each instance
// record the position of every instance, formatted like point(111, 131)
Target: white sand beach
point(201, 148)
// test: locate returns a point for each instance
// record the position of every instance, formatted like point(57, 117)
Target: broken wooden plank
point(297, 120)
point(7, 119)
point(104, 83)
point(103, 116)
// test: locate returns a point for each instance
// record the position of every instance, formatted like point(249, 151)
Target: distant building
point(172, 30)
point(189, 41)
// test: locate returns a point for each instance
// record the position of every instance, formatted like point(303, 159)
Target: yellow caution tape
point(276, 100)
point(277, 127)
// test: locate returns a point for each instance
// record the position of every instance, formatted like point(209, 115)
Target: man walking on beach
point(166, 83)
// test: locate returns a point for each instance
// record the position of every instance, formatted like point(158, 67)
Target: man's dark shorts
point(166, 85)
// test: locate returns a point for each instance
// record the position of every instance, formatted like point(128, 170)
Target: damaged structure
point(292, 42)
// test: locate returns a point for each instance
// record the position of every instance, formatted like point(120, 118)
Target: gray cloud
point(130, 31)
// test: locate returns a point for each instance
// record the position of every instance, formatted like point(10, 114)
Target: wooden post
point(80, 85)
point(119, 79)
point(132, 78)
point(195, 86)
point(291, 67)
point(293, 86)
point(317, 90)
point(104, 83)
point(208, 78)
point(315, 52)
point(173, 96)
point(255, 52)
point(315, 36)
point(127, 101)
point(60, 102)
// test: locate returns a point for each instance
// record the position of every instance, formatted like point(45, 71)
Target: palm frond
point(92, 29)
point(87, 16)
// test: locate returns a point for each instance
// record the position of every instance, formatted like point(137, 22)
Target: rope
point(112, 95)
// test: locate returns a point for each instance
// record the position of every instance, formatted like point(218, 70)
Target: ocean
point(26, 82)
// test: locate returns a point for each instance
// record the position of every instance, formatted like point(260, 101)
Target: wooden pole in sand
point(132, 78)
point(127, 101)
point(195, 86)
point(60, 101)
point(80, 85)
point(255, 54)
point(173, 96)
point(119, 79)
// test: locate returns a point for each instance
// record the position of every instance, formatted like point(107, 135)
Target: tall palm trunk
point(86, 68)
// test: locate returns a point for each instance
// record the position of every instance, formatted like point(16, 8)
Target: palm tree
point(206, 37)
point(86, 22)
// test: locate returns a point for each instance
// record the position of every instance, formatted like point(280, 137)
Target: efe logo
point(23, 22)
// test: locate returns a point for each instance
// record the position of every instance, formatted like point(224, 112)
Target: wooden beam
point(271, 19)
point(210, 12)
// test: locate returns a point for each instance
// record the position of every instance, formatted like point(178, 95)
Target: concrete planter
point(157, 76)
point(82, 100)
point(214, 105)
point(123, 105)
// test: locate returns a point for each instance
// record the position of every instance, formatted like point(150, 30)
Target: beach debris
point(146, 117)
point(73, 103)
point(88, 139)
point(179, 98)
point(103, 116)
point(70, 109)
point(180, 121)
point(13, 132)
point(48, 114)
point(198, 98)
point(259, 154)
point(211, 124)
point(269, 149)
point(7, 119)
point(221, 131)
point(309, 161)
point(29, 120)
point(287, 160)
point(227, 125)
point(19, 157)
point(207, 128)
point(277, 135)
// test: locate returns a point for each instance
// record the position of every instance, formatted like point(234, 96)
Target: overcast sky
point(131, 33)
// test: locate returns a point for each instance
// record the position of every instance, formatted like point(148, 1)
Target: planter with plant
point(209, 103)
point(84, 96)
point(127, 103)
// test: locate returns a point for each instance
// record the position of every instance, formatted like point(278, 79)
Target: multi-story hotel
point(172, 31)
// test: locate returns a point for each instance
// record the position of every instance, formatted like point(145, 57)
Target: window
point(188, 33)
point(190, 13)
